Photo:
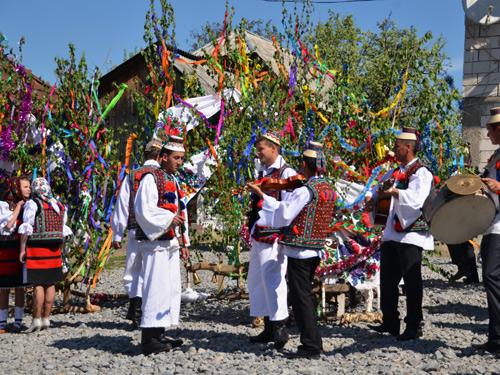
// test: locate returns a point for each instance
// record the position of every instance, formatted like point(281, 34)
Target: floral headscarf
point(41, 189)
point(14, 194)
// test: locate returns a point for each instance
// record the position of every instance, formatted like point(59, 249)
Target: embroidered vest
point(12, 240)
point(419, 225)
point(134, 180)
point(265, 234)
point(310, 228)
point(161, 179)
point(48, 227)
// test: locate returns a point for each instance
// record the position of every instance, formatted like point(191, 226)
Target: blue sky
point(99, 27)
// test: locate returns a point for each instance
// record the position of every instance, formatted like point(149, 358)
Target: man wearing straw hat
point(266, 274)
point(307, 216)
point(124, 218)
point(162, 237)
point(490, 244)
point(405, 236)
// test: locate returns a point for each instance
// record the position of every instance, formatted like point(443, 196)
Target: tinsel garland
point(360, 254)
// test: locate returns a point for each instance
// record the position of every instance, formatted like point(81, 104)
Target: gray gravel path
point(216, 332)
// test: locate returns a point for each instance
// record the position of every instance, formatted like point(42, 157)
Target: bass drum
point(456, 218)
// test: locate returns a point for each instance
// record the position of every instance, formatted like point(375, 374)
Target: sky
point(103, 29)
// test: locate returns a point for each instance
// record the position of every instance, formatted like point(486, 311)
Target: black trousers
point(400, 260)
point(300, 276)
point(490, 251)
point(463, 256)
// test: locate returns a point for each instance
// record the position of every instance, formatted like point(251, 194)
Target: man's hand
point(116, 245)
point(254, 188)
point(177, 221)
point(492, 184)
point(369, 204)
point(22, 254)
point(184, 253)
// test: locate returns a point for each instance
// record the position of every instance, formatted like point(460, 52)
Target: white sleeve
point(5, 217)
point(373, 191)
point(66, 230)
point(281, 214)
point(287, 173)
point(119, 221)
point(153, 220)
point(408, 206)
point(30, 209)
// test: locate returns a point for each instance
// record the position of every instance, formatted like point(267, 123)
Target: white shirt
point(119, 221)
point(281, 214)
point(153, 220)
point(494, 227)
point(5, 217)
point(408, 207)
point(30, 209)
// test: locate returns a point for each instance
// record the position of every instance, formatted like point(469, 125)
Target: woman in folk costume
point(42, 238)
point(11, 272)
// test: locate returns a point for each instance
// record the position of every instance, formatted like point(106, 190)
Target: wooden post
point(220, 278)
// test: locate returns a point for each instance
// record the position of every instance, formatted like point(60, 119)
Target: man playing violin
point(307, 217)
point(405, 236)
point(490, 244)
point(266, 274)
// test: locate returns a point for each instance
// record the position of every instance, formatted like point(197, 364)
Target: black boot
point(132, 305)
point(267, 334)
point(280, 334)
point(151, 341)
point(134, 312)
point(136, 322)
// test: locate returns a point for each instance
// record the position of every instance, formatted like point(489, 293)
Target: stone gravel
point(216, 332)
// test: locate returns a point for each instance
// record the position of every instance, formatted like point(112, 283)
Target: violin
point(290, 183)
point(275, 184)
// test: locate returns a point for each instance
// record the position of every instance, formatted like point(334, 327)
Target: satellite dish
point(484, 12)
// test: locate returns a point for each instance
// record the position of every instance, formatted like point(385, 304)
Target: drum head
point(462, 218)
point(464, 184)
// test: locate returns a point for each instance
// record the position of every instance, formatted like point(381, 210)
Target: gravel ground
point(216, 332)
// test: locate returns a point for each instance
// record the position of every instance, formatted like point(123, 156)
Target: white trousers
point(266, 281)
point(161, 288)
point(132, 280)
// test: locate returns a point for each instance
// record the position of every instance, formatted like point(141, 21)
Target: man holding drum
point(405, 236)
point(490, 244)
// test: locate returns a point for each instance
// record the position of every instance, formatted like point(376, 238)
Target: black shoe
point(175, 343)
point(267, 335)
point(471, 279)
point(410, 334)
point(155, 345)
point(386, 328)
point(301, 353)
point(280, 336)
point(487, 347)
point(458, 275)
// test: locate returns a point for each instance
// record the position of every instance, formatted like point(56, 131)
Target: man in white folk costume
point(124, 218)
point(406, 234)
point(307, 215)
point(267, 286)
point(162, 238)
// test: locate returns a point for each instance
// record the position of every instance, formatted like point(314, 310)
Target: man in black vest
point(405, 236)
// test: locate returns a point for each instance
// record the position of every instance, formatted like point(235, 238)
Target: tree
point(204, 35)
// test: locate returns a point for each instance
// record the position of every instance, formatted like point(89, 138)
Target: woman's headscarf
point(13, 193)
point(41, 189)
